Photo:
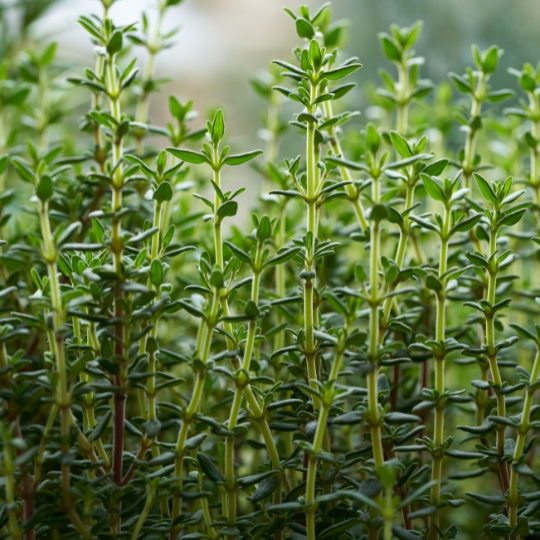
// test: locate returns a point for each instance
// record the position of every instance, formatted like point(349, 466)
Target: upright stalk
point(190, 412)
point(494, 367)
point(141, 113)
point(522, 430)
point(478, 97)
point(404, 97)
point(230, 483)
point(326, 403)
point(309, 269)
point(374, 418)
point(63, 397)
point(114, 91)
point(9, 479)
point(352, 192)
point(438, 436)
point(534, 158)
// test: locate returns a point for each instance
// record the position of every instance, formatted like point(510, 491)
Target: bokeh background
point(222, 43)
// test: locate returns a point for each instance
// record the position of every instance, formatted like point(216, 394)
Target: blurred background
point(223, 43)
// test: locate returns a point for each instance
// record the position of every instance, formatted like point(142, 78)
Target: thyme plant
point(357, 359)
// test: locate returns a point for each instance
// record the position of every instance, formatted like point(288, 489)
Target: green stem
point(403, 104)
point(400, 254)
point(9, 479)
point(492, 358)
point(438, 437)
point(311, 227)
point(239, 392)
point(63, 398)
point(144, 513)
point(513, 501)
point(472, 133)
point(352, 192)
point(326, 404)
point(189, 414)
point(141, 114)
point(373, 414)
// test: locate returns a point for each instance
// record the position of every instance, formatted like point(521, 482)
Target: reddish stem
point(27, 488)
point(146, 444)
point(119, 397)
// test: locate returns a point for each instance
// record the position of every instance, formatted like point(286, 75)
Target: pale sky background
point(222, 43)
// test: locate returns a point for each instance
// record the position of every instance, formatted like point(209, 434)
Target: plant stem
point(116, 248)
point(494, 367)
point(373, 415)
point(522, 430)
point(472, 133)
point(9, 470)
point(190, 413)
point(326, 404)
point(147, 507)
point(141, 114)
point(400, 254)
point(438, 438)
point(403, 104)
point(352, 193)
point(233, 417)
point(311, 228)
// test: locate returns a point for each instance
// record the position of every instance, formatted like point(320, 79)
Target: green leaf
point(322, 98)
point(485, 188)
point(218, 127)
point(216, 279)
point(44, 189)
point(373, 139)
point(342, 90)
point(499, 95)
point(341, 72)
point(523, 332)
point(138, 161)
point(466, 224)
point(389, 48)
point(156, 273)
point(433, 187)
point(527, 82)
point(433, 283)
point(238, 159)
point(514, 217)
point(209, 469)
point(3, 163)
point(22, 166)
point(304, 29)
point(99, 229)
point(461, 84)
point(152, 428)
point(163, 193)
point(227, 209)
point(282, 256)
point(378, 212)
point(486, 499)
point(102, 425)
point(239, 253)
point(48, 55)
point(490, 60)
point(265, 489)
point(401, 144)
point(436, 168)
point(264, 230)
point(115, 43)
point(251, 310)
point(189, 156)
point(315, 54)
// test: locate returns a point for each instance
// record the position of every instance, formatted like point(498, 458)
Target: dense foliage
point(358, 363)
